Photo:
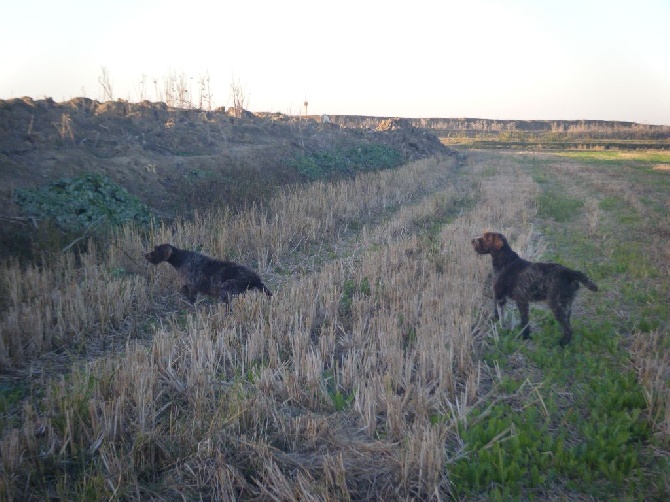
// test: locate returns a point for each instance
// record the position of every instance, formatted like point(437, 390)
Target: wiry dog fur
point(525, 282)
point(202, 274)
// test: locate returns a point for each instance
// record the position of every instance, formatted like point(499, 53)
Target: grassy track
point(591, 420)
point(374, 372)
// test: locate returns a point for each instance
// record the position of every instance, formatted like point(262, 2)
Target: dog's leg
point(525, 320)
point(567, 337)
point(560, 303)
point(190, 293)
point(567, 332)
point(498, 307)
point(499, 299)
point(226, 296)
point(563, 318)
point(229, 289)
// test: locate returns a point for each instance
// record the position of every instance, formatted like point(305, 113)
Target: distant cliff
point(470, 127)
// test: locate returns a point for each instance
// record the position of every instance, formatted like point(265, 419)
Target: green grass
point(648, 156)
point(559, 207)
point(558, 143)
point(350, 288)
point(582, 428)
point(575, 420)
point(10, 396)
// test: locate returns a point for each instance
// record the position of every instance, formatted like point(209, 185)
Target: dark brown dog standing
point(202, 274)
point(525, 282)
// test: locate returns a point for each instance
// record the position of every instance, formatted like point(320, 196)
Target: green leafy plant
point(346, 161)
point(340, 399)
point(83, 202)
point(349, 289)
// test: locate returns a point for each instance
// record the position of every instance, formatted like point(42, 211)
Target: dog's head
point(160, 254)
point(489, 243)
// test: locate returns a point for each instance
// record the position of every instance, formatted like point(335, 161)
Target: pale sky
point(514, 59)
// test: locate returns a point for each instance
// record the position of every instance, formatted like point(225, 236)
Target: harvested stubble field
point(374, 372)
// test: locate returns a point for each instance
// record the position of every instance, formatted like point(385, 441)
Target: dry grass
point(65, 304)
point(652, 363)
point(348, 384)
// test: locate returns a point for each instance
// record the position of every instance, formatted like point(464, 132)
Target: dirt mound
point(174, 160)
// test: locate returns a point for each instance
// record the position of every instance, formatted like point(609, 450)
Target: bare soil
point(174, 160)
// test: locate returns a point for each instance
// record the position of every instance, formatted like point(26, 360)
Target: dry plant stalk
point(63, 305)
point(329, 389)
point(239, 98)
point(64, 127)
point(652, 363)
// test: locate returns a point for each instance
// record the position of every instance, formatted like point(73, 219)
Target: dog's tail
point(581, 277)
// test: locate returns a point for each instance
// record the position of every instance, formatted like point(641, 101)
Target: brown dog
point(202, 274)
point(525, 282)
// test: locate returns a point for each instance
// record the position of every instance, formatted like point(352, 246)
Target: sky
point(495, 59)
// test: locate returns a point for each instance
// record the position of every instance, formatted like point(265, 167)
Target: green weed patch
point(611, 156)
point(350, 289)
point(581, 428)
point(558, 207)
point(346, 161)
point(77, 204)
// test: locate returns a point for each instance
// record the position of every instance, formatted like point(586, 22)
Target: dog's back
point(219, 272)
point(538, 281)
point(206, 275)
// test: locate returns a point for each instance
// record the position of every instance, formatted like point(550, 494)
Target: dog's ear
point(498, 241)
